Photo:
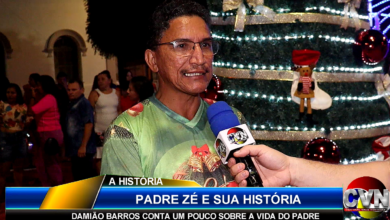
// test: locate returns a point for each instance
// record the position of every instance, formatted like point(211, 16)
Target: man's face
point(181, 73)
point(32, 82)
point(74, 91)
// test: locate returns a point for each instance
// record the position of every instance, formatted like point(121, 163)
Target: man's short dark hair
point(61, 74)
point(169, 10)
point(81, 84)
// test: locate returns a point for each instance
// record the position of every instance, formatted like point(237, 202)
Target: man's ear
point(150, 58)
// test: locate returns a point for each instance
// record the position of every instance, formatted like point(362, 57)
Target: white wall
point(28, 25)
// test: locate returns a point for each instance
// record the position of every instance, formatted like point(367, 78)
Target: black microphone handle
point(253, 179)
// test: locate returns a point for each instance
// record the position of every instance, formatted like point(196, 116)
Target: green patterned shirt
point(151, 140)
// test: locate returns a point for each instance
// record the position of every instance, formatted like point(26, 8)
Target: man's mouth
point(193, 74)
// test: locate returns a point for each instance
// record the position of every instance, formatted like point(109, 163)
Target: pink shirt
point(47, 114)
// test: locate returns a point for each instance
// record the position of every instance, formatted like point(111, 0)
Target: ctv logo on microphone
point(221, 148)
point(366, 197)
point(230, 140)
point(237, 136)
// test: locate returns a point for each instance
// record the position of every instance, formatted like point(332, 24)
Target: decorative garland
point(288, 75)
point(320, 9)
point(287, 19)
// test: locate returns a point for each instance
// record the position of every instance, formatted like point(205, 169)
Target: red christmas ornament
point(381, 146)
point(322, 149)
point(214, 89)
point(373, 46)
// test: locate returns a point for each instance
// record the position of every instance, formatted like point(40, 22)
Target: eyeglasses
point(187, 47)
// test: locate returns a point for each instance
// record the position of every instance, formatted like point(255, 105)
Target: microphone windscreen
point(221, 117)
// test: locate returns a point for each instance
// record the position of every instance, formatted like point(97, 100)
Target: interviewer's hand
point(272, 165)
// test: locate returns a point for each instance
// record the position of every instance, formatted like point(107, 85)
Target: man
point(62, 80)
point(278, 170)
point(168, 135)
point(79, 138)
point(29, 88)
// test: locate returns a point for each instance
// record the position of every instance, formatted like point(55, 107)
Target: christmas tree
point(254, 68)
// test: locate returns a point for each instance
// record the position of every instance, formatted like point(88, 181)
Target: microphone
point(231, 136)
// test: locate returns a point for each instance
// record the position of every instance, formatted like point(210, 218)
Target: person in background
point(13, 151)
point(47, 116)
point(29, 88)
point(95, 84)
point(29, 93)
point(79, 135)
point(62, 84)
point(140, 88)
point(129, 76)
point(106, 104)
point(62, 80)
point(125, 101)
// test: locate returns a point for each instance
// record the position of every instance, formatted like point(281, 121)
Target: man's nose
point(197, 56)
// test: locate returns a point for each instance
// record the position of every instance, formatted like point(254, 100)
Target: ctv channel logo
point(237, 136)
point(366, 197)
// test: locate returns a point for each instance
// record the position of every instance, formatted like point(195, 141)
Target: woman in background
point(126, 101)
point(13, 150)
point(106, 104)
point(47, 117)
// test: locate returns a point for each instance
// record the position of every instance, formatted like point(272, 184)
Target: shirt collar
point(72, 102)
point(190, 123)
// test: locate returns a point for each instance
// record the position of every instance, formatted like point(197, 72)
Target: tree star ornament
point(258, 6)
point(350, 7)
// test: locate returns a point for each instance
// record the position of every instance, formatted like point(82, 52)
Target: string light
point(338, 128)
point(318, 69)
point(372, 157)
point(283, 10)
point(281, 98)
point(295, 37)
point(333, 11)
